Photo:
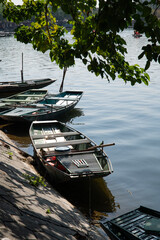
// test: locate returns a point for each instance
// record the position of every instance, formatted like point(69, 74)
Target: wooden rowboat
point(13, 87)
point(137, 35)
point(29, 96)
point(142, 223)
point(67, 154)
point(49, 108)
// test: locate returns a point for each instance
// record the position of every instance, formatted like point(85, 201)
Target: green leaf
point(84, 61)
point(141, 55)
point(147, 65)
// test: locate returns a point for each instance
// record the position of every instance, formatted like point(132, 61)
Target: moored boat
point(67, 154)
point(137, 34)
point(13, 87)
point(5, 34)
point(29, 96)
point(141, 223)
point(49, 108)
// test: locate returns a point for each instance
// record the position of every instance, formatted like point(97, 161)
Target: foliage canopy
point(96, 34)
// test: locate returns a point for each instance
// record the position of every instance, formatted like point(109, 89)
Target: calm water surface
point(112, 112)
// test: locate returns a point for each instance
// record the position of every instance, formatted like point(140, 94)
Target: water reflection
point(70, 116)
point(92, 197)
point(18, 133)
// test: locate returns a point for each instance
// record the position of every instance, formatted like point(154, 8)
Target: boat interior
point(61, 99)
point(24, 97)
point(71, 148)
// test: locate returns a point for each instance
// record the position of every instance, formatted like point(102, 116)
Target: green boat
point(25, 97)
point(141, 223)
point(51, 107)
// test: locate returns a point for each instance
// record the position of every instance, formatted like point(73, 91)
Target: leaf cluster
point(95, 32)
point(35, 181)
point(148, 23)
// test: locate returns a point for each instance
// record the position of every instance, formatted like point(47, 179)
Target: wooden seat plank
point(63, 98)
point(54, 153)
point(50, 136)
point(65, 143)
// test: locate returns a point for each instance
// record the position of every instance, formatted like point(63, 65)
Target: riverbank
point(35, 212)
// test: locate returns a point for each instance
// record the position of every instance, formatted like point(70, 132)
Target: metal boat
point(141, 223)
point(13, 87)
point(29, 96)
point(67, 154)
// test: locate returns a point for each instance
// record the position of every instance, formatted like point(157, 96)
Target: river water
point(112, 112)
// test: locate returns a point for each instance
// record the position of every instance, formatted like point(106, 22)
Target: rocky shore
point(30, 209)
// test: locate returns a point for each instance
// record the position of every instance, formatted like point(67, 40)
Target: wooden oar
point(94, 147)
point(100, 146)
point(91, 148)
point(74, 152)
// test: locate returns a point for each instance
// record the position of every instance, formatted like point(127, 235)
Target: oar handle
point(101, 145)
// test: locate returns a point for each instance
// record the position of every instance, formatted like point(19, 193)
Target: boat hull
point(142, 223)
point(137, 35)
point(58, 177)
point(10, 88)
point(41, 117)
point(41, 111)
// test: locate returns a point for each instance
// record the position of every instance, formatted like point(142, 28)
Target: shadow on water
point(18, 133)
point(68, 117)
point(91, 196)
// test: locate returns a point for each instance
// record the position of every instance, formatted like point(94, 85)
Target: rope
point(90, 210)
point(15, 147)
